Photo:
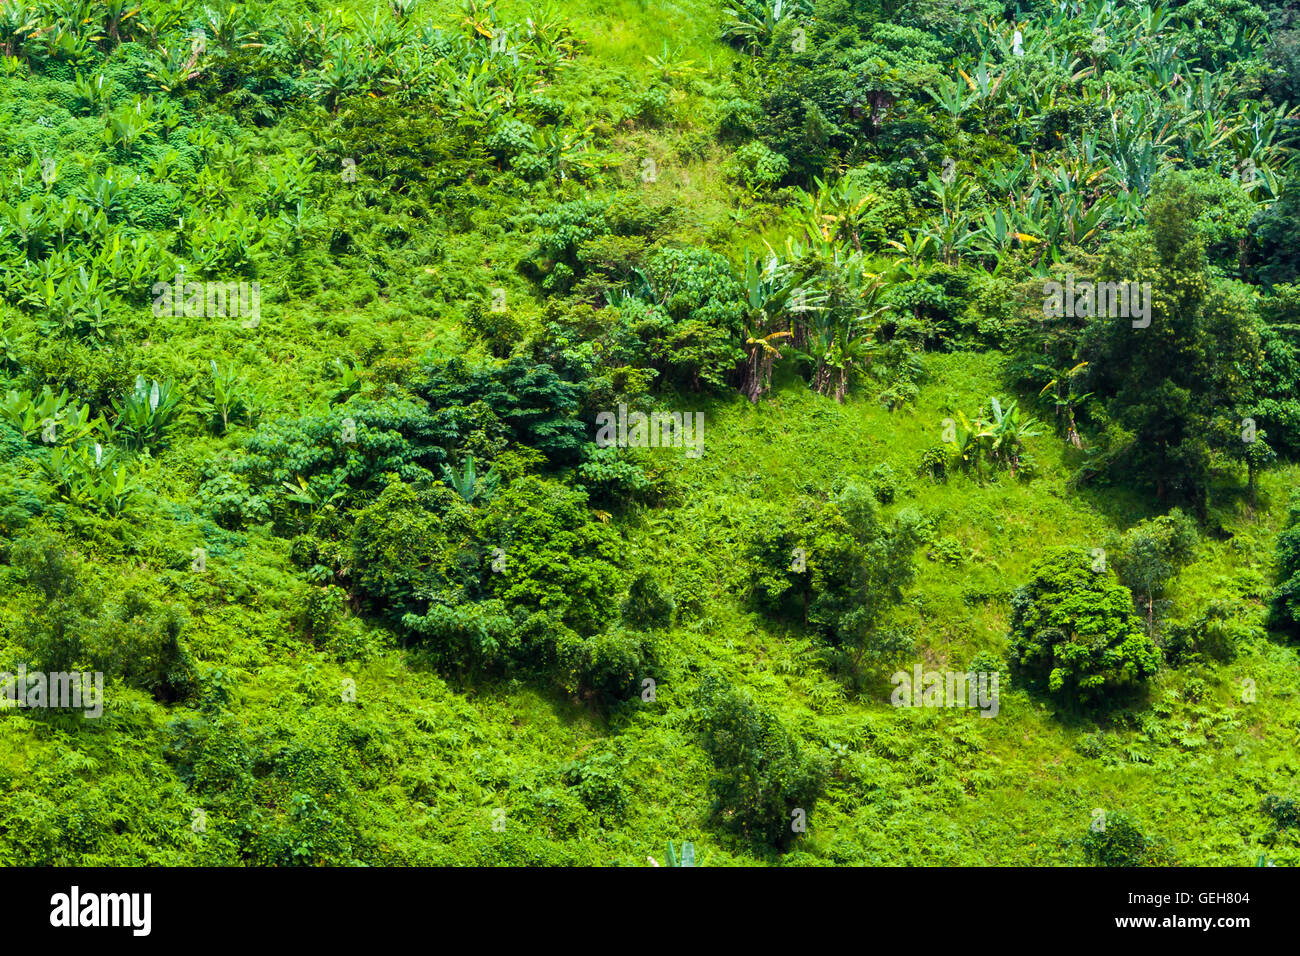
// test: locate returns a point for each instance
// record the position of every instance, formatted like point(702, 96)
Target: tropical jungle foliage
point(308, 312)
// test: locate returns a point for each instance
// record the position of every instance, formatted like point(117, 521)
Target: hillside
point(309, 316)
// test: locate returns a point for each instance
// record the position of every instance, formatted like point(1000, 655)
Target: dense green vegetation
point(939, 334)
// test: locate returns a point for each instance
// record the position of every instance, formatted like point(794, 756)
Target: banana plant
point(116, 13)
point(838, 351)
point(1060, 389)
point(171, 70)
point(750, 23)
point(146, 414)
point(833, 212)
point(952, 96)
point(91, 93)
point(310, 498)
point(350, 382)
point(126, 126)
point(769, 289)
point(1009, 432)
point(231, 29)
point(48, 417)
point(73, 305)
point(970, 442)
point(996, 236)
point(26, 224)
point(85, 477)
point(951, 236)
point(918, 247)
point(480, 17)
point(233, 397)
point(468, 485)
point(18, 21)
point(985, 85)
point(567, 152)
point(687, 857)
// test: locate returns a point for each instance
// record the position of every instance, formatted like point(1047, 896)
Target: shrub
point(1074, 633)
point(1285, 812)
point(1148, 556)
point(884, 483)
point(1216, 633)
point(1120, 842)
point(762, 775)
point(405, 555)
point(648, 605)
point(74, 625)
point(598, 781)
point(555, 558)
point(527, 403)
point(606, 667)
point(146, 414)
point(1285, 602)
point(346, 448)
point(758, 167)
point(839, 568)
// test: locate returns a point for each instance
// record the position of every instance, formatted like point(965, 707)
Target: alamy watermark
point(656, 430)
point(210, 300)
point(61, 690)
point(75, 908)
point(947, 689)
point(1126, 300)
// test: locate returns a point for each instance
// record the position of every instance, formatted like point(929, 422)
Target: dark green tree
point(763, 777)
point(1166, 385)
point(1074, 634)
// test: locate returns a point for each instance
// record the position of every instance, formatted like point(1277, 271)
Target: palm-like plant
point(480, 17)
point(18, 21)
point(998, 440)
point(146, 414)
point(687, 857)
point(309, 497)
point(837, 342)
point(85, 477)
point(1009, 431)
point(952, 96)
point(1065, 398)
point(750, 23)
point(670, 64)
point(468, 485)
point(233, 397)
point(769, 290)
point(116, 13)
point(835, 210)
point(48, 417)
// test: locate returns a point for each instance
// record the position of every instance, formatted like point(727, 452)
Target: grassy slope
point(430, 761)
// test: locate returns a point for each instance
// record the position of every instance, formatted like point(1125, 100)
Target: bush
point(1285, 602)
point(839, 568)
point(73, 625)
point(884, 483)
point(758, 167)
point(648, 605)
point(606, 668)
point(345, 449)
point(1120, 842)
point(1285, 811)
point(762, 775)
point(1074, 633)
point(405, 555)
point(527, 403)
point(1148, 556)
point(556, 559)
point(1216, 633)
point(598, 782)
